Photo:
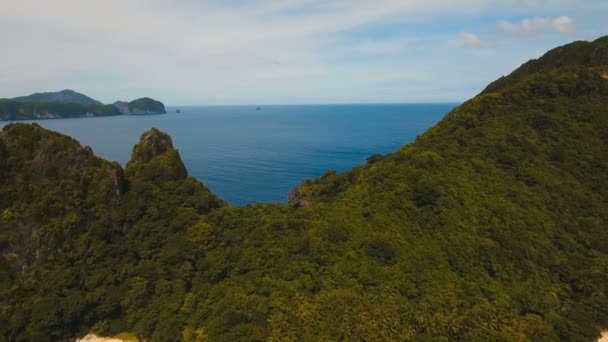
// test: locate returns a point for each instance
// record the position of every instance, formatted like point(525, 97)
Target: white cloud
point(196, 48)
point(191, 51)
point(471, 40)
point(389, 46)
point(538, 26)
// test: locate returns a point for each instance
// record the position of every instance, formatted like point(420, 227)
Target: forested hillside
point(70, 104)
point(490, 226)
point(63, 96)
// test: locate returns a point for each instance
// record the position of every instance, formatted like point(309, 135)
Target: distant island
point(70, 104)
point(144, 105)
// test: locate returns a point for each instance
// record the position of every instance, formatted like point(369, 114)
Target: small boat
point(258, 108)
point(178, 111)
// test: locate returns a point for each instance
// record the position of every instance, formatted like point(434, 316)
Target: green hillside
point(579, 53)
point(146, 105)
point(491, 226)
point(64, 96)
point(70, 104)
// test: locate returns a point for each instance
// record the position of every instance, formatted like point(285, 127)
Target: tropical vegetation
point(491, 226)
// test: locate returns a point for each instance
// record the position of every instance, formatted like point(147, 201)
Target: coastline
point(77, 117)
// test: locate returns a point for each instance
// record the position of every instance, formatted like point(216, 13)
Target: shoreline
point(77, 117)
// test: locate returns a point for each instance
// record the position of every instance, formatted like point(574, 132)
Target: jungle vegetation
point(491, 226)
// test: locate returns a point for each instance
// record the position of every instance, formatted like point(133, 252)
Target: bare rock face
point(95, 338)
point(118, 176)
point(296, 198)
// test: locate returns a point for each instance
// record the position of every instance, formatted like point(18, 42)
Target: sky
point(189, 52)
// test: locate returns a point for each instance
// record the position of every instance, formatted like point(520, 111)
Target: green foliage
point(380, 249)
point(374, 158)
point(7, 215)
point(145, 106)
point(580, 53)
point(425, 194)
point(491, 226)
point(64, 96)
point(155, 159)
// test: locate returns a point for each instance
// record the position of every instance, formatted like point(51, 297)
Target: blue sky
point(189, 52)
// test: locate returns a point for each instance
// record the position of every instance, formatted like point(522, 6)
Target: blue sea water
point(246, 155)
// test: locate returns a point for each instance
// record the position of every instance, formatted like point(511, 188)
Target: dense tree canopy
point(490, 226)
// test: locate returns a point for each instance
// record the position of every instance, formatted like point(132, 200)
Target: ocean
point(246, 155)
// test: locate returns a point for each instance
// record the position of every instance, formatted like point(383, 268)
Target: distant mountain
point(70, 104)
point(64, 96)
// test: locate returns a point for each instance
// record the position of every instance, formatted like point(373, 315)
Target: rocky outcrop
point(95, 338)
point(296, 198)
point(151, 144)
point(155, 158)
point(119, 338)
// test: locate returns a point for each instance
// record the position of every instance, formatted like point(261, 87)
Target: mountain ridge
point(577, 53)
point(490, 226)
point(70, 104)
point(63, 96)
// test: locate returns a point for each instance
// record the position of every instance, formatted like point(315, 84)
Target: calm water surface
point(246, 155)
